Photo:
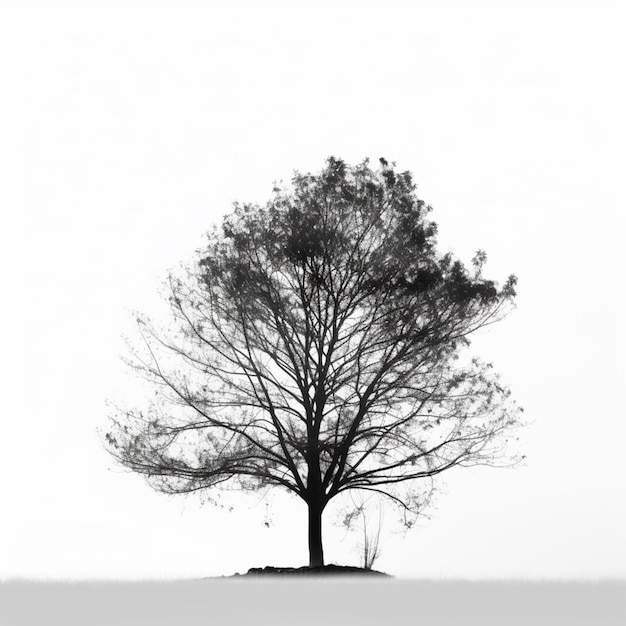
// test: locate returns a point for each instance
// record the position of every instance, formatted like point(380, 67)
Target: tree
point(358, 517)
point(315, 346)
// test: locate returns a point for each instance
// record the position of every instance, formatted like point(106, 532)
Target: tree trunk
point(316, 552)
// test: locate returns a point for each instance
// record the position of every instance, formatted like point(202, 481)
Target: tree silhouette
point(359, 518)
point(315, 346)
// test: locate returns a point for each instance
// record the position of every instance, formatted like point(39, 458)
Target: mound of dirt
point(322, 570)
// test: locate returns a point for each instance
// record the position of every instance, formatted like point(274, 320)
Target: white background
point(127, 128)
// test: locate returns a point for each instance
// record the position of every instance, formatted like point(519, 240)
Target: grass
point(339, 601)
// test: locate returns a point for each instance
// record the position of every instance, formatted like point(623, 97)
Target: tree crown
point(315, 347)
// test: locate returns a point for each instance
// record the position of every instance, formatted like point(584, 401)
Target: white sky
point(127, 128)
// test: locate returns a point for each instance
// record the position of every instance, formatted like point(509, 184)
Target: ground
point(324, 570)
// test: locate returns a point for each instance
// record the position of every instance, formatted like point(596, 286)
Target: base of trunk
point(316, 551)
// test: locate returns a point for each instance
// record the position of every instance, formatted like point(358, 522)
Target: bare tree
point(358, 518)
point(314, 346)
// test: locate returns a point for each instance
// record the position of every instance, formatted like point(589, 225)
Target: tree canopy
point(314, 345)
